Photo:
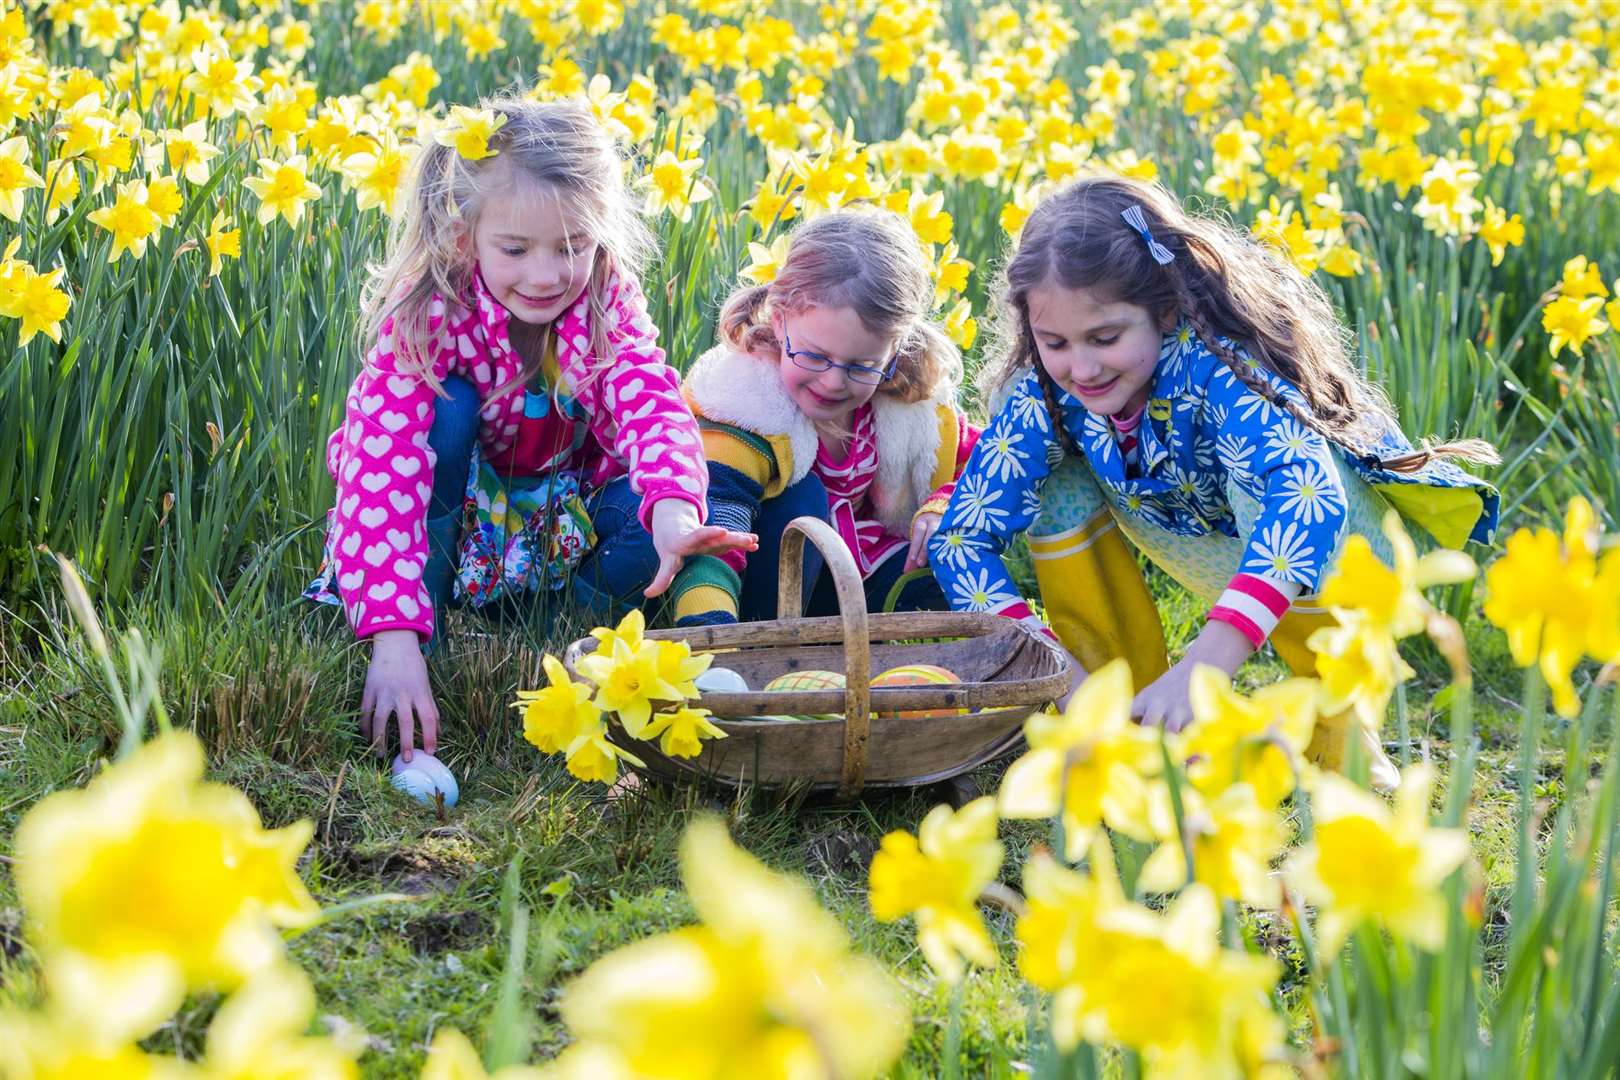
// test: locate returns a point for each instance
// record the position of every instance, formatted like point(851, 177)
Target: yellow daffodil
point(213, 884)
point(763, 986)
point(375, 175)
point(631, 631)
point(679, 668)
point(223, 243)
point(1234, 840)
point(1092, 764)
point(221, 85)
point(16, 177)
point(129, 219)
point(1573, 321)
point(1365, 862)
point(1257, 740)
point(283, 187)
point(937, 876)
point(672, 184)
point(590, 756)
point(555, 716)
point(264, 1023)
point(189, 151)
point(467, 131)
point(1448, 204)
point(452, 1057)
point(765, 261)
point(628, 683)
point(1557, 600)
point(38, 303)
point(163, 198)
point(1359, 665)
point(960, 324)
point(1581, 279)
point(1392, 598)
point(681, 733)
point(1500, 231)
point(49, 1046)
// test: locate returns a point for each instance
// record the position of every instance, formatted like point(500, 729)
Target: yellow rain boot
point(1096, 600)
point(1330, 744)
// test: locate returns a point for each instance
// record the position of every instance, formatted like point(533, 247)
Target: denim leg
point(455, 427)
point(610, 579)
point(920, 591)
point(807, 498)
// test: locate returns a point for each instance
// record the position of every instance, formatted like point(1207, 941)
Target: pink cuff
point(1254, 605)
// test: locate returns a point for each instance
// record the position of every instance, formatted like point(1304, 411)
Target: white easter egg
point(719, 680)
point(423, 775)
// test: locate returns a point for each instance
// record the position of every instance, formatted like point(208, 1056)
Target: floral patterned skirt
point(518, 535)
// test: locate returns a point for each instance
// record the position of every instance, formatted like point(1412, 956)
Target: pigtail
point(1027, 353)
point(927, 365)
point(743, 325)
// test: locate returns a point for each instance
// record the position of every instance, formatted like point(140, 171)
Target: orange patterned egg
point(917, 675)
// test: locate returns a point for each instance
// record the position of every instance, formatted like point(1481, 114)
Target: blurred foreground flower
point(1089, 763)
point(158, 882)
point(937, 876)
point(1366, 862)
point(765, 986)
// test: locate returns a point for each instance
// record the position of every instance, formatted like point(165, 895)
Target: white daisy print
point(1028, 408)
point(1236, 453)
point(977, 592)
point(1310, 494)
point(1289, 440)
point(977, 511)
point(1002, 458)
point(1284, 552)
point(950, 550)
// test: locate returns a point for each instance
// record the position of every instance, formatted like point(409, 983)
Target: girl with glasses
point(832, 394)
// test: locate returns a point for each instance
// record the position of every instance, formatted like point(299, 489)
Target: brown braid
point(1048, 390)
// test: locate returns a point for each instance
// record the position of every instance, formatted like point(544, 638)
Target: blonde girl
point(1169, 381)
point(831, 394)
point(514, 428)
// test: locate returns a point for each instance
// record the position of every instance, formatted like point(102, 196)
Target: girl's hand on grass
point(1164, 703)
point(923, 527)
point(397, 685)
point(677, 533)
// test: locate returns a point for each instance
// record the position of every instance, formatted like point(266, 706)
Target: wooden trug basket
point(1007, 671)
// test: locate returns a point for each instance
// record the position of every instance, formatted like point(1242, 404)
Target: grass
point(274, 699)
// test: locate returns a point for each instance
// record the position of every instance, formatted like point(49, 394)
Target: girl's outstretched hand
point(923, 528)
point(397, 685)
point(1164, 703)
point(677, 533)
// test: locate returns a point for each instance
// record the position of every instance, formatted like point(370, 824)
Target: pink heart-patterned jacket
point(639, 423)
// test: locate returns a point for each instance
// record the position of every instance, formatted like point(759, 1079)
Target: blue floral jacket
point(1203, 429)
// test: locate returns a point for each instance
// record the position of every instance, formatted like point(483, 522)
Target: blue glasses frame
point(814, 361)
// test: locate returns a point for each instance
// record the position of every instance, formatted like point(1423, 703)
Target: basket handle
point(857, 641)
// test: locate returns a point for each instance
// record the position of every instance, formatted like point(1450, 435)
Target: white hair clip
point(1138, 221)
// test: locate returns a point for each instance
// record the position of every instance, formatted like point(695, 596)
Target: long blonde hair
point(1225, 284)
point(430, 249)
point(869, 260)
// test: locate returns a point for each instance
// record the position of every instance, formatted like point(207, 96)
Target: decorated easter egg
point(917, 675)
point(424, 775)
point(719, 680)
point(806, 680)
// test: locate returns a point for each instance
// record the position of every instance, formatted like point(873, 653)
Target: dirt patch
point(840, 853)
point(430, 935)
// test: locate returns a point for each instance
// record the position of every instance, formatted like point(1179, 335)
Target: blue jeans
point(807, 498)
point(608, 581)
point(920, 592)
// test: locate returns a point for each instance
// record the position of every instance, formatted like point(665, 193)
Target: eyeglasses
point(814, 361)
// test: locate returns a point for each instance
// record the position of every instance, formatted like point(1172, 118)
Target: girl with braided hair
point(1165, 379)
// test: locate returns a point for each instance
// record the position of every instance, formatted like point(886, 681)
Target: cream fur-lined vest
point(917, 442)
